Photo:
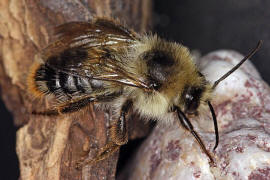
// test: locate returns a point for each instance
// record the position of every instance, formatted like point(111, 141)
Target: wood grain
point(48, 148)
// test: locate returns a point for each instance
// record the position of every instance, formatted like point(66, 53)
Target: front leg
point(118, 136)
point(188, 126)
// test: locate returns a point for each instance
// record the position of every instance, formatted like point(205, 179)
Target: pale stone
point(242, 105)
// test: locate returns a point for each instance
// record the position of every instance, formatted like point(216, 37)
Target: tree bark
point(48, 148)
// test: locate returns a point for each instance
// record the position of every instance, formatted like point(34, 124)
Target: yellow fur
point(184, 73)
point(31, 81)
point(121, 60)
point(150, 104)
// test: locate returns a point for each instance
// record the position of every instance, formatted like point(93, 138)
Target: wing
point(90, 49)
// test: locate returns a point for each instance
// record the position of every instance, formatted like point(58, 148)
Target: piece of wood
point(48, 148)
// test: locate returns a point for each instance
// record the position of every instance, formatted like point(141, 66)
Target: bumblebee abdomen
point(47, 80)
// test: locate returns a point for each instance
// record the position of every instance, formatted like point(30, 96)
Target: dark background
point(209, 25)
point(204, 25)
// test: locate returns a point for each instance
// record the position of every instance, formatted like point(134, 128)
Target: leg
point(103, 153)
point(119, 129)
point(188, 126)
point(66, 108)
point(119, 136)
point(215, 123)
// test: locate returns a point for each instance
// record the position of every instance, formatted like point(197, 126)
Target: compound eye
point(191, 103)
point(192, 99)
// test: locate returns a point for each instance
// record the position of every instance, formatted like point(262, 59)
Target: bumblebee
point(105, 63)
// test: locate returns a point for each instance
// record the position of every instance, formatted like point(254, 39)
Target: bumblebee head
point(195, 95)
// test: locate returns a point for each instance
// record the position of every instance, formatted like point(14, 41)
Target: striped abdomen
point(62, 85)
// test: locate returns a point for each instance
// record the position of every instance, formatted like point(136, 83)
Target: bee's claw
point(104, 153)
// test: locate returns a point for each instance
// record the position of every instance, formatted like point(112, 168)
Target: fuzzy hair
point(157, 104)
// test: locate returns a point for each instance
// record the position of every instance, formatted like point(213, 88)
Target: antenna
point(239, 64)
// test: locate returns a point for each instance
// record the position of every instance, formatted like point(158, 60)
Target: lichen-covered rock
point(242, 105)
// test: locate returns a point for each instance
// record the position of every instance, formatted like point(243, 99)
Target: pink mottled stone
point(242, 105)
